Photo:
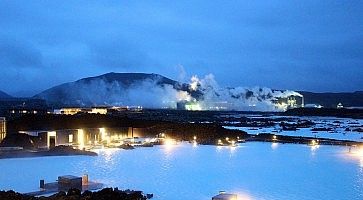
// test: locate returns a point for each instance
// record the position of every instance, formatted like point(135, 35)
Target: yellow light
point(244, 196)
point(314, 142)
point(357, 152)
point(227, 138)
point(103, 134)
point(108, 139)
point(80, 137)
point(102, 111)
point(51, 134)
point(169, 145)
point(70, 138)
point(360, 152)
point(274, 137)
point(169, 142)
point(195, 137)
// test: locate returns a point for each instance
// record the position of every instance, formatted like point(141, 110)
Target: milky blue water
point(253, 171)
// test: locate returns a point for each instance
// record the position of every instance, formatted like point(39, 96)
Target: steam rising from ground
point(146, 93)
point(238, 98)
point(204, 94)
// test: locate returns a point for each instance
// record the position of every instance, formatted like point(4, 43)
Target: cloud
point(19, 54)
point(242, 42)
point(118, 54)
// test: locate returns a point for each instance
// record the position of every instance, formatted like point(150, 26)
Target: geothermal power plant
point(278, 104)
point(136, 91)
point(158, 92)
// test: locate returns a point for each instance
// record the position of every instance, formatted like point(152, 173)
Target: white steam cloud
point(200, 94)
point(146, 93)
point(238, 98)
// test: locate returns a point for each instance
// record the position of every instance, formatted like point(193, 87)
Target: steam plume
point(154, 93)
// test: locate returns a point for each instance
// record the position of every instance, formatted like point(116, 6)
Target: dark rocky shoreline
point(75, 194)
point(267, 137)
point(207, 127)
point(56, 151)
point(326, 112)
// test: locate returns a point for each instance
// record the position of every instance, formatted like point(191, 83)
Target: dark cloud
point(19, 54)
point(303, 45)
point(118, 55)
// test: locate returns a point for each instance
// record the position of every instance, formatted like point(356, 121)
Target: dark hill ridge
point(3, 95)
point(113, 89)
point(331, 100)
point(127, 79)
point(104, 89)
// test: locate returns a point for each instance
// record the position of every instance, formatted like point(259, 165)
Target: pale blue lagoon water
point(253, 170)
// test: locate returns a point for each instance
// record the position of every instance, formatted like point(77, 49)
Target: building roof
point(225, 196)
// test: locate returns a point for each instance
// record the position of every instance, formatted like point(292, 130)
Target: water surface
point(253, 170)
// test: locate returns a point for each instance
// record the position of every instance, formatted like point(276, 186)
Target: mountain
point(157, 91)
point(127, 79)
point(111, 89)
point(3, 95)
point(331, 100)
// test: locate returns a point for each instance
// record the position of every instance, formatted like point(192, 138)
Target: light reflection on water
point(252, 170)
point(274, 145)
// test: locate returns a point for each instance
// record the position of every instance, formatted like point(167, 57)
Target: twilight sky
point(298, 45)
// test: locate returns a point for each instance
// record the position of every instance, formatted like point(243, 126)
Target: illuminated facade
point(102, 111)
point(67, 111)
point(22, 111)
point(292, 101)
point(73, 111)
point(311, 105)
point(83, 138)
point(2, 128)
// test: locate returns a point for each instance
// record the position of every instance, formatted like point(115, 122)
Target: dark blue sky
point(299, 45)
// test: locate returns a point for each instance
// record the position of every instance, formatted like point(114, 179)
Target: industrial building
point(312, 105)
point(103, 110)
point(188, 105)
point(289, 102)
point(205, 105)
point(2, 128)
point(73, 111)
point(67, 111)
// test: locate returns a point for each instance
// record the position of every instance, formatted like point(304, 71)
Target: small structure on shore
point(225, 196)
point(66, 182)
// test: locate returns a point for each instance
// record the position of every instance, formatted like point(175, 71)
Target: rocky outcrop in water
point(75, 194)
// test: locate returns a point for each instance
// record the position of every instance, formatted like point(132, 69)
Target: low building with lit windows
point(85, 137)
point(2, 128)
